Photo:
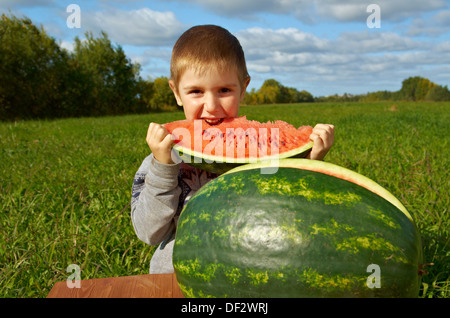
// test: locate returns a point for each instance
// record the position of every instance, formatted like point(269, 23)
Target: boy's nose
point(211, 103)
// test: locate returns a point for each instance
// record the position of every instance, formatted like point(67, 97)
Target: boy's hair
point(204, 46)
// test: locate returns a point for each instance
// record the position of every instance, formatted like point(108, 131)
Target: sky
point(325, 47)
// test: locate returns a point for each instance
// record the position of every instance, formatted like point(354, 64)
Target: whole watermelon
point(312, 229)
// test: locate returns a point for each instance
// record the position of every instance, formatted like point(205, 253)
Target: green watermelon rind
point(222, 164)
point(333, 170)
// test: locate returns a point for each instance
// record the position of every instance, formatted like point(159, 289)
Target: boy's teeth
point(214, 121)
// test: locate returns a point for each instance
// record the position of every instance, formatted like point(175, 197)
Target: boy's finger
point(156, 132)
point(167, 141)
point(326, 133)
point(324, 128)
point(318, 142)
point(160, 133)
point(150, 131)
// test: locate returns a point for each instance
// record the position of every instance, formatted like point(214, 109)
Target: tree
point(438, 94)
point(38, 79)
point(424, 85)
point(253, 98)
point(271, 91)
point(415, 88)
point(107, 79)
point(145, 93)
point(296, 96)
point(32, 70)
point(163, 98)
point(304, 97)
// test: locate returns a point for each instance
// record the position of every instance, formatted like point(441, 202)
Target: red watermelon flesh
point(239, 137)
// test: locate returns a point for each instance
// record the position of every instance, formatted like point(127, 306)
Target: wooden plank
point(139, 286)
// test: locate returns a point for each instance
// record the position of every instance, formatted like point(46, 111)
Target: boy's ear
point(244, 87)
point(174, 89)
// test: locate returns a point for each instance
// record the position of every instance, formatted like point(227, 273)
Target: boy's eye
point(195, 91)
point(225, 90)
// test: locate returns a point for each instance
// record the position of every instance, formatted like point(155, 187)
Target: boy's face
point(212, 95)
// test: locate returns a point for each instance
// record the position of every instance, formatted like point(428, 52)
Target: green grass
point(65, 186)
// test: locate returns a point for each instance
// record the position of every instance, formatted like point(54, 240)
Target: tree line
point(273, 92)
point(414, 88)
point(39, 79)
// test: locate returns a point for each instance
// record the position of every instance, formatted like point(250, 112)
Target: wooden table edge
point(137, 286)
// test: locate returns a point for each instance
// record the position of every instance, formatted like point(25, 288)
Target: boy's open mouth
point(213, 121)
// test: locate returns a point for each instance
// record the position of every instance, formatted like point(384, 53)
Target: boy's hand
point(323, 138)
point(160, 142)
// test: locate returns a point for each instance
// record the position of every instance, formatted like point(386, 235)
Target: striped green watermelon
point(313, 229)
point(236, 141)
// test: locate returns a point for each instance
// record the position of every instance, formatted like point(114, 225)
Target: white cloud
point(27, 3)
point(14, 6)
point(349, 11)
point(143, 27)
point(315, 10)
point(443, 48)
point(356, 10)
point(287, 40)
point(69, 46)
point(240, 8)
point(404, 9)
point(375, 42)
point(442, 18)
point(432, 26)
point(346, 64)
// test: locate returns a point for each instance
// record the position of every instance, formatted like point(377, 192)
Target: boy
point(208, 78)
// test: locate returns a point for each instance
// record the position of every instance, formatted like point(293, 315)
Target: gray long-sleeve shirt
point(159, 193)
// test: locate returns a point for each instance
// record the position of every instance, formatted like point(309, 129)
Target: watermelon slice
point(236, 141)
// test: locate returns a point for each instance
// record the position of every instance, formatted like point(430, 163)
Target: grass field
point(65, 186)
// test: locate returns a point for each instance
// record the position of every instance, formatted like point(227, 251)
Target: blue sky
point(323, 46)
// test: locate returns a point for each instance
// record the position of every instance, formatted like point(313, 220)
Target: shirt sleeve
point(155, 200)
